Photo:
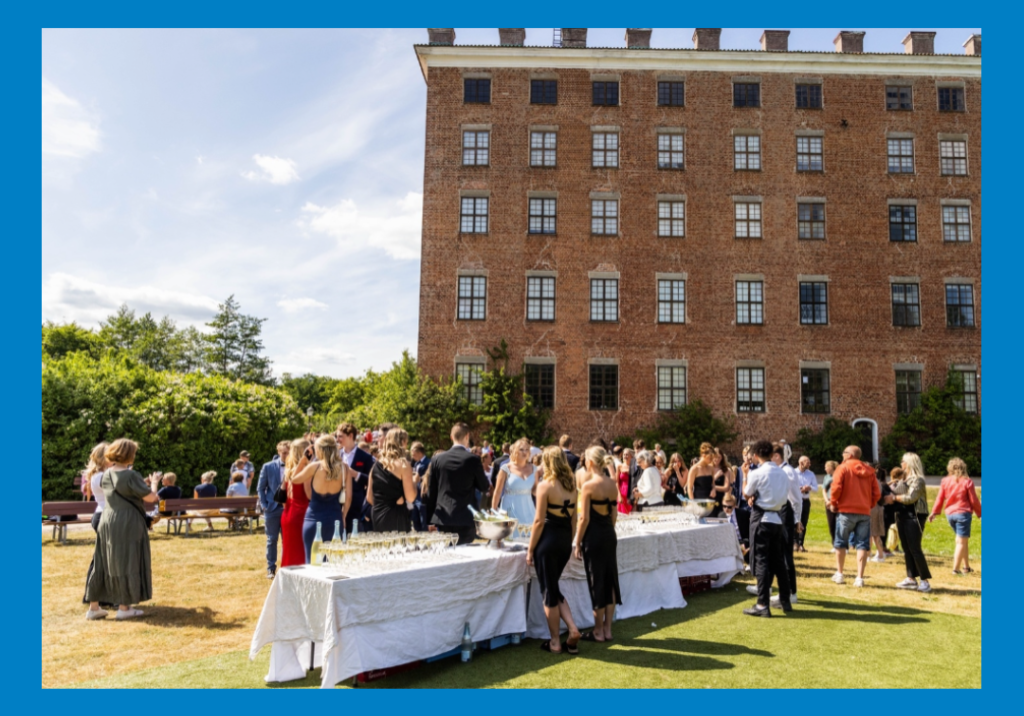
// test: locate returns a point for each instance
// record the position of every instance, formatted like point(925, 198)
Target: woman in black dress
point(700, 481)
point(675, 480)
point(596, 543)
point(551, 545)
point(391, 487)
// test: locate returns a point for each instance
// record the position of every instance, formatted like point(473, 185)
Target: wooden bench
point(81, 511)
point(247, 507)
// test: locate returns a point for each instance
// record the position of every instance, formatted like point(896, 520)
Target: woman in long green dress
point(121, 569)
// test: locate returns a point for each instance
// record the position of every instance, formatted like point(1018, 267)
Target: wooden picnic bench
point(210, 508)
point(81, 511)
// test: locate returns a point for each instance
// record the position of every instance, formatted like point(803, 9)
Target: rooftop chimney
point(848, 41)
point(919, 43)
point(638, 38)
point(512, 36)
point(706, 38)
point(574, 37)
point(775, 41)
point(441, 35)
point(973, 45)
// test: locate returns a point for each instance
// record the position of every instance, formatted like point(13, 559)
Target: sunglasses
point(727, 508)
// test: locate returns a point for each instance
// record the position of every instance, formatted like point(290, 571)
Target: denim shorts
point(857, 526)
point(961, 523)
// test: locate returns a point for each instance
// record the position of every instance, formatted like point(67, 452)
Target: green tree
point(234, 346)
point(61, 339)
point(827, 443)
point(686, 427)
point(345, 395)
point(309, 391)
point(507, 410)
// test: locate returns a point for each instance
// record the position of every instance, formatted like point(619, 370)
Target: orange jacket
point(855, 488)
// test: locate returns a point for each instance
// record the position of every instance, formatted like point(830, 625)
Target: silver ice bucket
point(495, 530)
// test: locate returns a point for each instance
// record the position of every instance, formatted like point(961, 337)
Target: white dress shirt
point(796, 498)
point(808, 479)
point(649, 486)
point(770, 485)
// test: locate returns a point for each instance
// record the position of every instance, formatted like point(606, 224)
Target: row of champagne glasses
point(385, 546)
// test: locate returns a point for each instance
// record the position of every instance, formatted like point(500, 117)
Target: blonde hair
point(392, 452)
point(97, 460)
point(706, 449)
point(556, 468)
point(298, 446)
point(121, 451)
point(958, 468)
point(327, 452)
point(521, 443)
point(208, 476)
point(169, 478)
point(831, 464)
point(601, 459)
point(914, 466)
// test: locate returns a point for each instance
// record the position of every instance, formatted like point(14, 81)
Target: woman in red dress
point(293, 549)
point(625, 507)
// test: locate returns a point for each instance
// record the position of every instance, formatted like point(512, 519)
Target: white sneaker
point(98, 614)
point(128, 614)
point(924, 586)
point(876, 558)
point(858, 582)
point(832, 551)
point(908, 583)
point(775, 601)
point(752, 589)
point(838, 578)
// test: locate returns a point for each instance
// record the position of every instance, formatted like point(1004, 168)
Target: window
point(898, 97)
point(472, 298)
point(959, 305)
point(951, 99)
point(605, 149)
point(604, 387)
point(908, 390)
point(471, 388)
point(746, 94)
point(540, 384)
point(906, 304)
point(477, 91)
point(672, 218)
point(750, 302)
point(956, 223)
point(474, 215)
point(543, 92)
point(902, 223)
point(604, 299)
point(953, 158)
point(604, 217)
point(967, 381)
point(808, 96)
point(606, 93)
point(747, 153)
point(748, 221)
point(808, 154)
point(671, 387)
point(810, 221)
point(670, 151)
point(476, 149)
point(671, 301)
point(540, 298)
point(814, 390)
point(542, 216)
point(813, 303)
point(901, 156)
point(671, 94)
point(750, 390)
point(543, 148)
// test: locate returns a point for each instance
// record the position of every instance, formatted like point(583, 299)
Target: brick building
point(782, 235)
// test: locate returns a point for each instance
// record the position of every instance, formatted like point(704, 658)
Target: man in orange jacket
point(855, 491)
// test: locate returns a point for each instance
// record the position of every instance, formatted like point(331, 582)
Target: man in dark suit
point(360, 461)
point(455, 476)
point(566, 444)
point(271, 477)
point(499, 461)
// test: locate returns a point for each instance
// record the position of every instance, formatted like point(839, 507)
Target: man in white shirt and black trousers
point(767, 491)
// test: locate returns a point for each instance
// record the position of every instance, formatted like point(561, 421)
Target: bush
point(507, 410)
point(828, 443)
point(684, 429)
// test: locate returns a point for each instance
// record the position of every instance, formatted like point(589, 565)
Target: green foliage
point(185, 424)
point(828, 443)
point(507, 410)
point(686, 428)
point(937, 430)
point(309, 391)
point(233, 346)
point(60, 340)
point(346, 395)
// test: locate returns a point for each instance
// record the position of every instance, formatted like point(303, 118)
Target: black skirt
point(600, 559)
point(550, 557)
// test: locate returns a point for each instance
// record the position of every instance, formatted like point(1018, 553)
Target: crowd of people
point(356, 481)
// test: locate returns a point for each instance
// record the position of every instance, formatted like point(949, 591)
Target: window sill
point(815, 325)
point(541, 233)
point(603, 410)
point(896, 174)
point(748, 238)
point(901, 241)
point(471, 320)
point(953, 111)
point(670, 323)
point(745, 170)
point(543, 104)
point(955, 175)
point(749, 325)
point(671, 106)
point(604, 236)
point(599, 322)
point(810, 171)
point(543, 166)
point(602, 168)
point(822, 240)
point(823, 412)
point(473, 233)
point(666, 236)
point(899, 109)
point(897, 325)
point(540, 320)
point(671, 169)
point(813, 109)
point(746, 106)
point(605, 105)
point(485, 104)
point(957, 242)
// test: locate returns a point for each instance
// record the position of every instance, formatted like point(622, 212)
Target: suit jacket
point(271, 477)
point(634, 478)
point(574, 461)
point(455, 476)
point(496, 467)
point(362, 461)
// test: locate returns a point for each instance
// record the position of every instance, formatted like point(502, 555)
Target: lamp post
point(309, 415)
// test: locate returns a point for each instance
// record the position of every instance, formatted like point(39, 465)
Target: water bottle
point(355, 528)
point(516, 638)
point(467, 644)
point(314, 550)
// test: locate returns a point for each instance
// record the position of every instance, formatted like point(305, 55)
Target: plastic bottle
point(467, 644)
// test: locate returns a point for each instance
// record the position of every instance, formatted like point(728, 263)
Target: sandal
point(572, 649)
point(588, 636)
point(967, 570)
point(546, 646)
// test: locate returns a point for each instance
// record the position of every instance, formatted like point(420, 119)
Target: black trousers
point(789, 522)
point(922, 519)
point(831, 517)
point(466, 533)
point(913, 555)
point(769, 560)
point(805, 515)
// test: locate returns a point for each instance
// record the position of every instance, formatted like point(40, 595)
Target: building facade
point(785, 236)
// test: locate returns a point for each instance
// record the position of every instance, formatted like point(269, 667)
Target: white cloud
point(294, 305)
point(396, 230)
point(69, 130)
point(274, 170)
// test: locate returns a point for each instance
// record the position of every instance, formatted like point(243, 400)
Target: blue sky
point(282, 166)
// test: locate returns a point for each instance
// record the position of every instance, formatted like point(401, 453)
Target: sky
point(284, 167)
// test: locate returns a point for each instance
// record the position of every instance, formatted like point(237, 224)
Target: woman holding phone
point(293, 551)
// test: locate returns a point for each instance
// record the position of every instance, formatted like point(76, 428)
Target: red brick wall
point(860, 340)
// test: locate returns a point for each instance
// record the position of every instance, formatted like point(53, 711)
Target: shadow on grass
point(168, 616)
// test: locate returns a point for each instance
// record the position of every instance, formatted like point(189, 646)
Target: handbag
point(281, 495)
point(892, 539)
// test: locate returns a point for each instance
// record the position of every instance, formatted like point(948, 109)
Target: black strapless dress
point(553, 551)
point(600, 557)
point(702, 485)
point(388, 515)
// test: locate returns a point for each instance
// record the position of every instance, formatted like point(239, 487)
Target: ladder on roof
point(556, 40)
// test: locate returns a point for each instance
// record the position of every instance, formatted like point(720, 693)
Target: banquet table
point(413, 610)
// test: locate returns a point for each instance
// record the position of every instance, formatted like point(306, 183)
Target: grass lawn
point(209, 591)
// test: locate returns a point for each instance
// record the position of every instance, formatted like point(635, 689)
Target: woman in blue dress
point(323, 481)
point(516, 484)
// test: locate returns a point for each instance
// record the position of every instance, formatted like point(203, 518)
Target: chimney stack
point(706, 38)
point(775, 41)
point(848, 42)
point(441, 35)
point(638, 38)
point(973, 45)
point(574, 37)
point(919, 43)
point(512, 36)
